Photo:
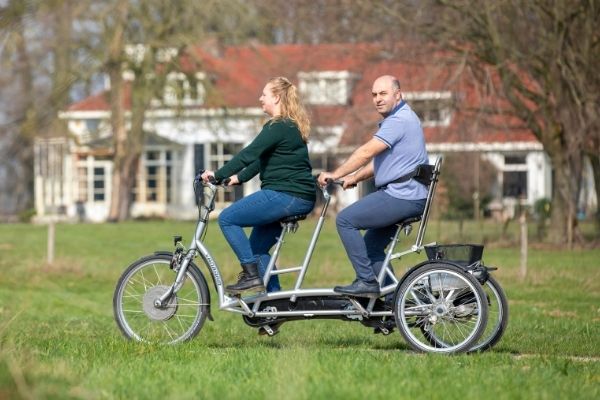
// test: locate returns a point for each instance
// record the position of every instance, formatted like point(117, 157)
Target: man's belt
point(422, 174)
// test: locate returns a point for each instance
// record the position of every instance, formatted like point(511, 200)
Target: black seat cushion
point(293, 218)
point(409, 220)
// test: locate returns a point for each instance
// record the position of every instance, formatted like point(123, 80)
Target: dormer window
point(326, 87)
point(433, 108)
point(184, 90)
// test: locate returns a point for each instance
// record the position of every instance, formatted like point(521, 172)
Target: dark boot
point(247, 279)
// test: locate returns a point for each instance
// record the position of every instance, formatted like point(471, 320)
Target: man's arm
point(362, 174)
point(358, 159)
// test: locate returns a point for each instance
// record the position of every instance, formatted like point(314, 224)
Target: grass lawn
point(58, 339)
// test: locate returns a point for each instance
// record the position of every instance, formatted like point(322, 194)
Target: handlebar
point(334, 182)
point(211, 179)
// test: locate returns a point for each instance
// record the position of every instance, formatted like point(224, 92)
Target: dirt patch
point(63, 266)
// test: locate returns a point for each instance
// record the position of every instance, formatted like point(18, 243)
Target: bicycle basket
point(463, 254)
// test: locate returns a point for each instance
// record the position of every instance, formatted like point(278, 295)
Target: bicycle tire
point(444, 300)
point(497, 316)
point(144, 281)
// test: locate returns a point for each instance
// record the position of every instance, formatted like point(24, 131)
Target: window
point(91, 180)
point(99, 187)
point(514, 184)
point(514, 176)
point(326, 87)
point(184, 90)
point(219, 154)
point(156, 177)
point(152, 183)
point(433, 108)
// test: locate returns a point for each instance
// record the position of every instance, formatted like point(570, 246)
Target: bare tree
point(150, 28)
point(35, 57)
point(545, 54)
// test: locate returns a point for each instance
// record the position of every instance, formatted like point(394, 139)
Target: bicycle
point(438, 306)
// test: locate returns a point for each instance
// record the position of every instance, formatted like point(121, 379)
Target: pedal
point(383, 330)
point(270, 331)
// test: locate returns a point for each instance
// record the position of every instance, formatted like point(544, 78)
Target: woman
point(280, 155)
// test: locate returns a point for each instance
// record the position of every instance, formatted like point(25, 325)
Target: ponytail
point(291, 106)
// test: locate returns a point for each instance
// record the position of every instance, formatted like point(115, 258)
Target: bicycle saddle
point(409, 221)
point(293, 218)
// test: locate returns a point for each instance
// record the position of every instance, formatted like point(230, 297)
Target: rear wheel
point(497, 316)
point(440, 308)
point(180, 319)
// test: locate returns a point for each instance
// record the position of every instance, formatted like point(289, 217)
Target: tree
point(545, 54)
point(138, 35)
point(37, 76)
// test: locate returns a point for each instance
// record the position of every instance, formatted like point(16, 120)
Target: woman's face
point(269, 102)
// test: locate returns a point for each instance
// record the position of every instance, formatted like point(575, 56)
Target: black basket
point(464, 254)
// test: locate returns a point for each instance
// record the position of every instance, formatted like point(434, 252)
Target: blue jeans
point(262, 211)
point(378, 213)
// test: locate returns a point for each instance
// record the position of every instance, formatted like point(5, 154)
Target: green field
point(58, 339)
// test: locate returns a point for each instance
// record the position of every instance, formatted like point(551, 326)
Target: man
point(395, 150)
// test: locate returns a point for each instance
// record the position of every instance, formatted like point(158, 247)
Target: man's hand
point(323, 177)
point(350, 182)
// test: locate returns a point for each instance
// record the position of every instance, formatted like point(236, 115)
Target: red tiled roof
point(238, 74)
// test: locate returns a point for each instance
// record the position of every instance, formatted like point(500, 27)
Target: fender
point(170, 254)
point(412, 269)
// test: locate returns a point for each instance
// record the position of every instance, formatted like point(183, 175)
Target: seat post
point(428, 202)
point(275, 256)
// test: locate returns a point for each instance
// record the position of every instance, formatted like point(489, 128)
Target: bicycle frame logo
point(214, 269)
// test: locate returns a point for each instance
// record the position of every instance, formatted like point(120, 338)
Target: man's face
point(385, 96)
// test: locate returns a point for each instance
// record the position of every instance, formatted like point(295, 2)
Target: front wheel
point(440, 308)
point(180, 319)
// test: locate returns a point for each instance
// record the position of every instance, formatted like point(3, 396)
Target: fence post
point(50, 246)
point(523, 223)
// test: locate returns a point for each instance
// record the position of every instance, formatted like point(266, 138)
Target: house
point(219, 113)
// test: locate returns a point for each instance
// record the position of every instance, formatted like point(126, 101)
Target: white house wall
point(206, 130)
point(539, 177)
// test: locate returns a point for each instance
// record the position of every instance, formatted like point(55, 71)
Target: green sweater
point(280, 155)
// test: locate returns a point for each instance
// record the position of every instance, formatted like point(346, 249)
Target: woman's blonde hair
point(291, 107)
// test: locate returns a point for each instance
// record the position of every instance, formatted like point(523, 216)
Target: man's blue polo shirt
point(402, 133)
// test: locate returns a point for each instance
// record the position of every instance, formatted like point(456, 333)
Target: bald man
point(395, 150)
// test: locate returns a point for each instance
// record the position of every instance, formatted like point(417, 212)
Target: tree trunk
point(565, 192)
point(121, 163)
point(595, 161)
point(29, 127)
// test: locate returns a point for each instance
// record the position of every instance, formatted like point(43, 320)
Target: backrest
point(433, 175)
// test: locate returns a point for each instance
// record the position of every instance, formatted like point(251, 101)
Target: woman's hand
point(324, 176)
point(205, 176)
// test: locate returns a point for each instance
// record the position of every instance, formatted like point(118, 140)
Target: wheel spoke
point(181, 317)
point(441, 309)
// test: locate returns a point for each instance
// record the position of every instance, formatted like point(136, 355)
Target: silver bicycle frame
point(250, 305)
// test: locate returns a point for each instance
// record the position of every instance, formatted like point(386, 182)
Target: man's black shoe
point(359, 288)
